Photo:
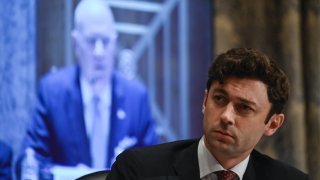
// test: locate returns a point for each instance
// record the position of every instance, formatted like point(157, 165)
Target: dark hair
point(251, 63)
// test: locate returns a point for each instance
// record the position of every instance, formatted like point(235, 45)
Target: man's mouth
point(99, 67)
point(224, 133)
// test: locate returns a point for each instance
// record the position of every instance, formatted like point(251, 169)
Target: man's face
point(234, 116)
point(95, 42)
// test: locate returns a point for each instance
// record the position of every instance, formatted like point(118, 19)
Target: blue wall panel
point(17, 68)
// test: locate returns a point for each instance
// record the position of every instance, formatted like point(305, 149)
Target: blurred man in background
point(88, 113)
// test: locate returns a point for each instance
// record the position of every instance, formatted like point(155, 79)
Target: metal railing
point(161, 21)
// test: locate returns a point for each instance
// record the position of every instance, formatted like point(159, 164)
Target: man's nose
point(228, 114)
point(98, 48)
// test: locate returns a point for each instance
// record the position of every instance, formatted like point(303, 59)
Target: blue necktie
point(98, 138)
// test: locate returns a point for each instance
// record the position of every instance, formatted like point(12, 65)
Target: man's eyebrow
point(220, 90)
point(243, 100)
point(246, 101)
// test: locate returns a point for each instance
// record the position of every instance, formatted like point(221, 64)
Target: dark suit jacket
point(179, 160)
point(57, 131)
point(5, 161)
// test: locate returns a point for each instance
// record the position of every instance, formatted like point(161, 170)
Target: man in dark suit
point(243, 101)
point(89, 113)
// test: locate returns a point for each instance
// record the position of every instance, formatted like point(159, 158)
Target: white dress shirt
point(104, 106)
point(208, 164)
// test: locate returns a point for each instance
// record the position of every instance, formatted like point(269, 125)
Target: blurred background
point(168, 45)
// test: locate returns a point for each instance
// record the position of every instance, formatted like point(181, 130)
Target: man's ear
point(274, 124)
point(204, 100)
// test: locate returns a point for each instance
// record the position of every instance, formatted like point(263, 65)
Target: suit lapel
point(74, 110)
point(187, 165)
point(250, 174)
point(117, 105)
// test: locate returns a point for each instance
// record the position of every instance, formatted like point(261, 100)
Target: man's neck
point(208, 163)
point(227, 161)
point(98, 84)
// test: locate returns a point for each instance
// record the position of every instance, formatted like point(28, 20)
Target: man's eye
point(219, 99)
point(105, 41)
point(91, 41)
point(243, 108)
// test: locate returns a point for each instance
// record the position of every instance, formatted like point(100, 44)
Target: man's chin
point(100, 76)
point(219, 143)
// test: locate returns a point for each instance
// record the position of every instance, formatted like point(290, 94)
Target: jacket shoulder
point(155, 159)
point(61, 76)
point(173, 147)
point(123, 84)
point(161, 152)
point(269, 168)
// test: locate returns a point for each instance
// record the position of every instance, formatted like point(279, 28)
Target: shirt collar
point(208, 164)
point(87, 92)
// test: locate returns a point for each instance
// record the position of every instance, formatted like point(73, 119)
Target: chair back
point(99, 175)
